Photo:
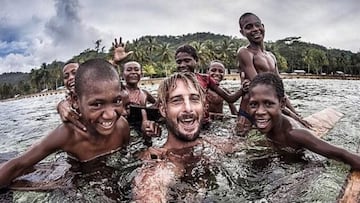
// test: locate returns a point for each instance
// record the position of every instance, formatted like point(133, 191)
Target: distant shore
point(283, 76)
point(154, 81)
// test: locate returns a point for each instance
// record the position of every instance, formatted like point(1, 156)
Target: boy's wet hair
point(187, 49)
point(271, 79)
point(169, 84)
point(91, 71)
point(243, 16)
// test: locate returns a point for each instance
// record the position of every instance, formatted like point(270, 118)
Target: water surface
point(254, 173)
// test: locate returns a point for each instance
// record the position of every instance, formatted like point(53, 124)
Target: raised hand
point(150, 128)
point(119, 51)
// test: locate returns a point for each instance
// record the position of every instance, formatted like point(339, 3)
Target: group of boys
point(97, 104)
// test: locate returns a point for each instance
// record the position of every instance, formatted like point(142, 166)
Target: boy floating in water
point(216, 70)
point(267, 99)
point(98, 98)
point(64, 108)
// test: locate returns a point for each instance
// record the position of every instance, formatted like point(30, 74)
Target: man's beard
point(180, 136)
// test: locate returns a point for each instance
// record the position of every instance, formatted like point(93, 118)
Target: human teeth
point(106, 124)
point(262, 123)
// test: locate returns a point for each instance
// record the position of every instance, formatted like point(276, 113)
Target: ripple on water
point(255, 173)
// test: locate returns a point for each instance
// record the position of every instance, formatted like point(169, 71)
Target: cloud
point(57, 30)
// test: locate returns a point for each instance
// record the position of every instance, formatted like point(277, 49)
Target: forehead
point(132, 64)
point(110, 86)
point(217, 65)
point(262, 90)
point(250, 19)
point(182, 88)
point(69, 67)
point(183, 55)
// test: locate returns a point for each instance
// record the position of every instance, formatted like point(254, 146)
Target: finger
point(120, 39)
point(73, 114)
point(116, 43)
point(242, 76)
point(79, 125)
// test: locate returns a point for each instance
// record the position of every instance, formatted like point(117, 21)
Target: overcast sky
point(37, 31)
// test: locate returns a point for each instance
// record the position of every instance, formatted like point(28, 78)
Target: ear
point(242, 33)
point(283, 103)
point(162, 110)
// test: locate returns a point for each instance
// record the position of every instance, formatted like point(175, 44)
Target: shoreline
point(234, 77)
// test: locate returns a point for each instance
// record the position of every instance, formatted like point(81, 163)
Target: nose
point(188, 105)
point(260, 110)
point(109, 113)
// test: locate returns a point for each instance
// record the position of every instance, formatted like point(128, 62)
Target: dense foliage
point(156, 54)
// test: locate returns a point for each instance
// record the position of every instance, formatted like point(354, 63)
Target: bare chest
point(264, 62)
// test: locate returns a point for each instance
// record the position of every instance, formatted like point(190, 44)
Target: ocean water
point(252, 174)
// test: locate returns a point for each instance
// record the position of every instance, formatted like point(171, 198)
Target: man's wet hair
point(91, 71)
point(268, 78)
point(186, 48)
point(169, 84)
point(241, 19)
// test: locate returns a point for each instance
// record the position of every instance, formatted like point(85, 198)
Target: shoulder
point(123, 125)
point(58, 138)
point(301, 137)
point(245, 56)
point(244, 51)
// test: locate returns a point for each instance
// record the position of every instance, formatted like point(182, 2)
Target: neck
point(131, 86)
point(256, 46)
point(173, 143)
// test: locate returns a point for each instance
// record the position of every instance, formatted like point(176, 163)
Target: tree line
point(156, 55)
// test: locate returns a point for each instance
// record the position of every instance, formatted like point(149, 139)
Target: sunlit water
point(252, 174)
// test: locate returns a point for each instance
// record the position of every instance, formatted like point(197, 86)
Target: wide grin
point(262, 123)
point(189, 124)
point(106, 124)
point(71, 84)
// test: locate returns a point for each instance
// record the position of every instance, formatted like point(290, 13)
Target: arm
point(149, 97)
point(231, 98)
point(246, 64)
point(38, 151)
point(232, 107)
point(307, 140)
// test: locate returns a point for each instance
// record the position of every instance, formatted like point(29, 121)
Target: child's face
point(132, 72)
point(253, 29)
point(184, 111)
point(265, 107)
point(217, 71)
point(69, 72)
point(101, 105)
point(185, 62)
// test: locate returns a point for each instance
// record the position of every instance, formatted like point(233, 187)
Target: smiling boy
point(98, 97)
